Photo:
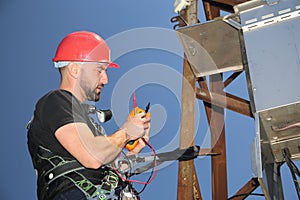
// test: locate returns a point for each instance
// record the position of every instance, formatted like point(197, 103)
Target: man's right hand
point(137, 125)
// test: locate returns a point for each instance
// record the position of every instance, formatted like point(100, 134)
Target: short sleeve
point(61, 108)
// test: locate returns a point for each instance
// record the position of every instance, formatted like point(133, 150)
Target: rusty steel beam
point(203, 85)
point(218, 143)
point(246, 190)
point(210, 10)
point(242, 104)
point(227, 100)
point(212, 7)
point(188, 186)
point(231, 78)
point(186, 170)
point(227, 2)
point(196, 187)
point(215, 116)
point(219, 6)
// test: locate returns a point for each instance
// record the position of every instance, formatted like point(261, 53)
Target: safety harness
point(70, 169)
point(52, 167)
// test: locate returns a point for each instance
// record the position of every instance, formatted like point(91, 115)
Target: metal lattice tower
point(271, 148)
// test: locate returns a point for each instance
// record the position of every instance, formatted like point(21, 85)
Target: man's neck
point(73, 90)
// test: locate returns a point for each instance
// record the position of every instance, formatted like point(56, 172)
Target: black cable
point(293, 169)
point(130, 168)
point(183, 20)
point(152, 171)
point(144, 187)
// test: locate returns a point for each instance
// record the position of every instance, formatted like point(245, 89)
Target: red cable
point(136, 181)
point(154, 154)
point(134, 100)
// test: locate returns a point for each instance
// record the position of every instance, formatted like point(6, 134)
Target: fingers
point(142, 118)
point(145, 120)
point(138, 123)
point(140, 115)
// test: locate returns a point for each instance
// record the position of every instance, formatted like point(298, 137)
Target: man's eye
point(100, 70)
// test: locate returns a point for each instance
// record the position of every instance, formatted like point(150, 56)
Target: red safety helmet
point(83, 46)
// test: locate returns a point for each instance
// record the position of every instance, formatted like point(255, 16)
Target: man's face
point(92, 79)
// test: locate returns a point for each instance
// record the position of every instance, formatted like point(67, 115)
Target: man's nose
point(104, 78)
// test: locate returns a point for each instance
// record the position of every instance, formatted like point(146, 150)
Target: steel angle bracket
point(212, 47)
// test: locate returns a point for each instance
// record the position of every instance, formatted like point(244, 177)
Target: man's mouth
point(98, 89)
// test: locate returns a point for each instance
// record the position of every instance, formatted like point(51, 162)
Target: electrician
point(70, 155)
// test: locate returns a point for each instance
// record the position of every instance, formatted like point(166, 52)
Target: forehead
point(99, 65)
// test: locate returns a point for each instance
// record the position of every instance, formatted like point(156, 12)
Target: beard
point(92, 95)
point(90, 92)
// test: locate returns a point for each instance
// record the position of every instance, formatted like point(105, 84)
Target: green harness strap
point(69, 170)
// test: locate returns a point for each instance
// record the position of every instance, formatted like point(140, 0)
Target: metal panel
point(273, 54)
point(271, 39)
point(256, 152)
point(272, 125)
point(212, 47)
point(273, 71)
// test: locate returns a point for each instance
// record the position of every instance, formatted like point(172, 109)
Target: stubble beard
point(90, 93)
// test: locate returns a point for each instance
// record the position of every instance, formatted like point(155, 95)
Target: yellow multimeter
point(132, 143)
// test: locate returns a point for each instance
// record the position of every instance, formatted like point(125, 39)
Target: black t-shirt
point(54, 110)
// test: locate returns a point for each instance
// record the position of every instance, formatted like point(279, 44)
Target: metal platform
point(212, 48)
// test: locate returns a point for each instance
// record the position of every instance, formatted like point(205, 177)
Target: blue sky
point(143, 43)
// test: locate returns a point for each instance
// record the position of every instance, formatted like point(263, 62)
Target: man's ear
point(74, 69)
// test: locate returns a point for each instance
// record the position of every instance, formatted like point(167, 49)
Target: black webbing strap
point(65, 168)
point(61, 170)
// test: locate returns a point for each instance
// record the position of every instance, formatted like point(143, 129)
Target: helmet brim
point(113, 65)
point(65, 63)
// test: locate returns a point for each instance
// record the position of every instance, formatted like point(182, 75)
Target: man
point(70, 155)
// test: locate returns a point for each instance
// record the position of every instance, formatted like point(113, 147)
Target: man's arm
point(93, 151)
point(90, 151)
